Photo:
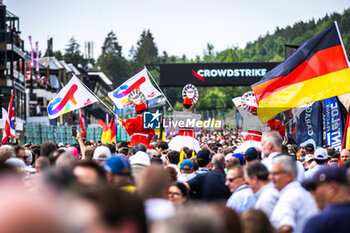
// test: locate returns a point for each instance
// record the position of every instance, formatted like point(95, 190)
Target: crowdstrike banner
point(213, 74)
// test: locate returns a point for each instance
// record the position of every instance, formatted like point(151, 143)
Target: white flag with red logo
point(140, 82)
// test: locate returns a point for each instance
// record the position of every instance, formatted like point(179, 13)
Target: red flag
point(81, 124)
point(10, 128)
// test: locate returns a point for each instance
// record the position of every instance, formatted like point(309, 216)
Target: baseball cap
point(326, 174)
point(309, 157)
point(140, 158)
point(186, 164)
point(204, 154)
point(250, 154)
point(118, 165)
point(101, 153)
point(240, 157)
point(309, 147)
point(321, 154)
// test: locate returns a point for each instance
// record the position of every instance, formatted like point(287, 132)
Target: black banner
point(213, 74)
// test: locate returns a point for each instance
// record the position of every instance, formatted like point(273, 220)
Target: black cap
point(250, 154)
point(310, 147)
point(204, 154)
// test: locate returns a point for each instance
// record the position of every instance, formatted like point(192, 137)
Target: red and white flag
point(81, 120)
point(10, 123)
point(140, 82)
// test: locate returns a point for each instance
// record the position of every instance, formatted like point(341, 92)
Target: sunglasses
point(232, 179)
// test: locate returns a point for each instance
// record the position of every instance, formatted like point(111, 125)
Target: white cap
point(102, 153)
point(321, 154)
point(140, 158)
point(309, 157)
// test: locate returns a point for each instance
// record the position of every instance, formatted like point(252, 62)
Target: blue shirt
point(242, 199)
point(334, 218)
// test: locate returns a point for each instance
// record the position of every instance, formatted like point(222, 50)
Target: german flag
point(317, 70)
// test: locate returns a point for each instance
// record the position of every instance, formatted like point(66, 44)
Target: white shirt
point(176, 168)
point(158, 209)
point(294, 207)
point(310, 173)
point(242, 199)
point(266, 199)
point(185, 177)
point(300, 168)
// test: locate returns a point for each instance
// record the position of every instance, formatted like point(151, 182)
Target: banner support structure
point(160, 89)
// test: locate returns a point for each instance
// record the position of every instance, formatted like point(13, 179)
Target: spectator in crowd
point(251, 154)
point(331, 189)
point(186, 169)
point(119, 173)
point(161, 148)
point(256, 221)
point(242, 197)
point(257, 177)
point(321, 158)
point(172, 174)
point(334, 158)
point(308, 159)
point(6, 152)
point(89, 173)
point(46, 148)
point(178, 194)
point(101, 154)
point(345, 155)
point(295, 205)
point(309, 149)
point(271, 143)
point(42, 164)
point(152, 185)
point(211, 185)
point(173, 159)
point(203, 159)
point(21, 154)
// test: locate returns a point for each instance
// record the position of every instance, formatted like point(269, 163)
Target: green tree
point(111, 61)
point(146, 51)
point(111, 45)
point(73, 54)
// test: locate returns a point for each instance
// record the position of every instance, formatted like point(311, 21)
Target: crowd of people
point(98, 187)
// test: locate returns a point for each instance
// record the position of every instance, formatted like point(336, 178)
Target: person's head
point(172, 174)
point(329, 185)
point(41, 164)
point(271, 142)
point(138, 147)
point(309, 149)
point(152, 182)
point(173, 157)
point(218, 161)
point(256, 175)
point(66, 160)
point(251, 154)
point(6, 152)
point(161, 147)
point(301, 151)
point(123, 150)
point(321, 156)
point(256, 221)
point(101, 154)
point(203, 158)
point(89, 173)
point(186, 166)
point(234, 178)
point(21, 154)
point(89, 153)
point(178, 193)
point(46, 148)
point(118, 169)
point(140, 108)
point(283, 171)
point(187, 104)
point(334, 158)
point(345, 155)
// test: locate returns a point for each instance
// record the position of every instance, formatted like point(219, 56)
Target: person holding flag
point(186, 135)
point(134, 126)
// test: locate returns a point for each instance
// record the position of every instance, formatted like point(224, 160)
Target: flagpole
point(99, 99)
point(159, 89)
point(341, 41)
